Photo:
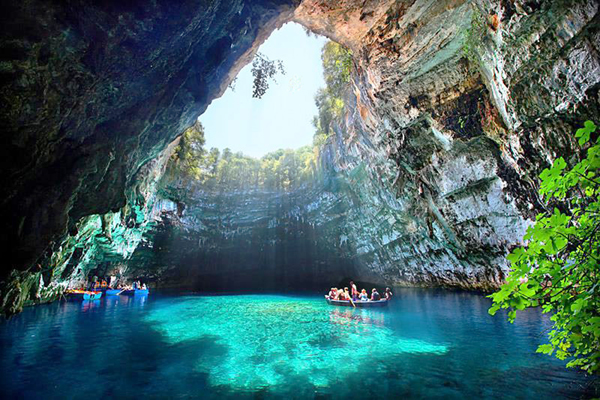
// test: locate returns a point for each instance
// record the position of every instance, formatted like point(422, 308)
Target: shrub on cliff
point(337, 65)
point(559, 268)
point(186, 160)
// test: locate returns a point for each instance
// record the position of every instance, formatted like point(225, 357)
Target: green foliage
point(186, 160)
point(280, 170)
point(263, 70)
point(337, 65)
point(559, 268)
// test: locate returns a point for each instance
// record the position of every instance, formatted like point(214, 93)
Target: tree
point(187, 157)
point(559, 268)
point(263, 70)
point(337, 64)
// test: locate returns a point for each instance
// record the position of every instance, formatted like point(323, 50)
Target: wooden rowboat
point(358, 303)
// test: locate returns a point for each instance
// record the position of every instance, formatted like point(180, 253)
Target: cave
point(425, 178)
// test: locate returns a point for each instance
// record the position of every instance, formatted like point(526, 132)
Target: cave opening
point(237, 206)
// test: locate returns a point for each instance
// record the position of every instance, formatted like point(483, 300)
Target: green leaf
point(545, 349)
point(528, 290)
point(578, 305)
point(494, 309)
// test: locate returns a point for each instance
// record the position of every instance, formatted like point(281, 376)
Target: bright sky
point(281, 119)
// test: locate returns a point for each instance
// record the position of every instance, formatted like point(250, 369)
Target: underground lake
point(427, 343)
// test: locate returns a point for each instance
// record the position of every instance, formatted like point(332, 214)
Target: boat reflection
point(88, 305)
point(355, 316)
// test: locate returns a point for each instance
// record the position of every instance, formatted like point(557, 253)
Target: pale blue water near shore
point(428, 344)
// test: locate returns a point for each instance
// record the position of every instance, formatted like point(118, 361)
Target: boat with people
point(137, 289)
point(355, 298)
point(358, 303)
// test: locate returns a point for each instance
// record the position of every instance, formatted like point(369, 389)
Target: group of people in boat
point(354, 295)
point(96, 285)
point(139, 286)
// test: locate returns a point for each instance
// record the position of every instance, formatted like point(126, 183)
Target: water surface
point(428, 344)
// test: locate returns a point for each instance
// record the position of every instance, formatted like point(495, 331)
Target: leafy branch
point(263, 70)
point(558, 269)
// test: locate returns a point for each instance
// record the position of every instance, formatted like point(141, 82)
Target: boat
point(92, 295)
point(357, 303)
point(113, 292)
point(136, 292)
point(78, 294)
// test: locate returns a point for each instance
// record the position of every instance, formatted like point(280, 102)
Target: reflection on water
point(347, 316)
point(427, 344)
point(87, 305)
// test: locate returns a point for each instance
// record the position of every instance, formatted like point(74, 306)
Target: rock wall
point(91, 93)
point(253, 240)
point(456, 107)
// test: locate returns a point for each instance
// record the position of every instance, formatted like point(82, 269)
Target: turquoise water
point(428, 344)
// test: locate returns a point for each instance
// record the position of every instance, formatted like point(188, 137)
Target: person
point(340, 295)
point(144, 287)
point(354, 291)
point(375, 295)
point(330, 295)
point(346, 294)
point(388, 294)
point(363, 295)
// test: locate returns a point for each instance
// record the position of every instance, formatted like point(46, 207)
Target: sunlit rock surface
point(459, 106)
point(456, 106)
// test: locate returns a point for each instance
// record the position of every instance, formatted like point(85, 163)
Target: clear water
point(428, 344)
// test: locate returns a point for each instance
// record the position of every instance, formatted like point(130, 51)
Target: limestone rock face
point(455, 108)
point(91, 93)
point(253, 240)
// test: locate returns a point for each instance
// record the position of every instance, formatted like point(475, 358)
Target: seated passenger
point(375, 295)
point(363, 295)
point(331, 294)
point(388, 293)
point(346, 294)
point(144, 287)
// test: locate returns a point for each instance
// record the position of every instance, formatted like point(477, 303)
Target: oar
point(351, 302)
